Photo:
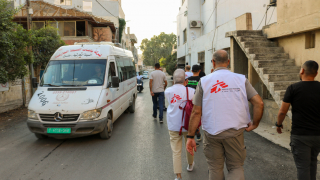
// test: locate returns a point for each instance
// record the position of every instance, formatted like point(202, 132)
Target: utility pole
point(29, 25)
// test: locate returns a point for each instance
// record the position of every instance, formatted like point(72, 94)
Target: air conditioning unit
point(195, 24)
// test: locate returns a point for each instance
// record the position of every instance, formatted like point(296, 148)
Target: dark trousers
point(305, 150)
point(158, 97)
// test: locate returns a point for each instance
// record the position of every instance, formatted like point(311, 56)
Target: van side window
point(112, 72)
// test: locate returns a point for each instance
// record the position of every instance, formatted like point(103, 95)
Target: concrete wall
point(228, 16)
point(13, 98)
point(295, 16)
point(295, 46)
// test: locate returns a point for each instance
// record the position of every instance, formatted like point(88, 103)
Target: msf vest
point(225, 103)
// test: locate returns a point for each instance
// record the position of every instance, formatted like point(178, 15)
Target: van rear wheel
point(132, 108)
point(40, 136)
point(107, 132)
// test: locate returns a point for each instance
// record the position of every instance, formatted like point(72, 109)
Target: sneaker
point(178, 179)
point(155, 118)
point(197, 144)
point(164, 109)
point(190, 168)
point(161, 120)
point(199, 138)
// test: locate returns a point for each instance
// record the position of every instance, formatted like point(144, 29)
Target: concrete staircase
point(275, 68)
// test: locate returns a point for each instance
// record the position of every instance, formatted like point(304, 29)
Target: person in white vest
point(176, 95)
point(221, 101)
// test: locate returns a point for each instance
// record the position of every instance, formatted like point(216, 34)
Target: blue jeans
point(158, 97)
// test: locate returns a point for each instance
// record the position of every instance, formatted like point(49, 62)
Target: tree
point(45, 42)
point(157, 47)
point(171, 63)
point(13, 45)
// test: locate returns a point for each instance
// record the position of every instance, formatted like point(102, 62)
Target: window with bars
point(310, 40)
point(185, 36)
point(87, 6)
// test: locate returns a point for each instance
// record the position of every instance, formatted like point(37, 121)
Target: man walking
point(176, 95)
point(304, 97)
point(193, 83)
point(157, 88)
point(221, 99)
point(188, 73)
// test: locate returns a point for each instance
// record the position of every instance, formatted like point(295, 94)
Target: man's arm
point(165, 84)
point(282, 114)
point(193, 125)
point(257, 103)
point(150, 84)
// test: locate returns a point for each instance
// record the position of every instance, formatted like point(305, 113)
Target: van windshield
point(74, 73)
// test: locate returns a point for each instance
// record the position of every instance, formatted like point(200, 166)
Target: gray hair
point(220, 57)
point(179, 76)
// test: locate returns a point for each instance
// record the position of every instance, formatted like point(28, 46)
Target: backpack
point(187, 110)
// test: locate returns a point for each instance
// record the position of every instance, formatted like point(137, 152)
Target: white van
point(83, 91)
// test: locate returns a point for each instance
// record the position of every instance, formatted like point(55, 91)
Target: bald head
point(179, 76)
point(220, 57)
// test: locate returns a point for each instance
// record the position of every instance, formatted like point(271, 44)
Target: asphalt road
point(138, 149)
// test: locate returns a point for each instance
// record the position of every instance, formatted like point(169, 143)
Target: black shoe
point(164, 109)
point(161, 120)
point(197, 144)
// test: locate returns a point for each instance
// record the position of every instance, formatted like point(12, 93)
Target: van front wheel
point(132, 108)
point(107, 132)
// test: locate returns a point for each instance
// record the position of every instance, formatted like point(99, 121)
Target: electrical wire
point(212, 13)
point(271, 15)
point(106, 9)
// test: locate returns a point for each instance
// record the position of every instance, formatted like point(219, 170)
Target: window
point(87, 6)
point(111, 73)
point(178, 41)
point(310, 40)
point(126, 68)
point(81, 28)
point(69, 28)
point(63, 2)
point(38, 25)
point(201, 56)
point(185, 36)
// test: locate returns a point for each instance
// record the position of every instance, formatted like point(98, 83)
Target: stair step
point(252, 38)
point(281, 77)
point(265, 50)
point(274, 63)
point(244, 33)
point(281, 85)
point(266, 56)
point(249, 44)
point(279, 95)
point(277, 70)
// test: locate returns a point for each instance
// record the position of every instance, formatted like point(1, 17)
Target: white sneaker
point(178, 179)
point(190, 168)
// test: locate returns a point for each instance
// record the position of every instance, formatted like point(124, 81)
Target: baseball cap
point(195, 68)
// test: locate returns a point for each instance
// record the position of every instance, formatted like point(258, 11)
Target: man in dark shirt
point(304, 97)
point(193, 83)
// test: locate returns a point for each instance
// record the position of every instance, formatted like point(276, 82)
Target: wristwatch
point(278, 125)
point(192, 137)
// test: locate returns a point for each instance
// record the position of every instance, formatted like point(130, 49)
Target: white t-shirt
point(188, 74)
point(158, 78)
point(139, 76)
point(175, 95)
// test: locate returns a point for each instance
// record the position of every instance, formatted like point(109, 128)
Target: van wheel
point(107, 132)
point(40, 136)
point(132, 108)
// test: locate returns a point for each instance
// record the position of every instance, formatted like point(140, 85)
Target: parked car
point(145, 74)
point(84, 90)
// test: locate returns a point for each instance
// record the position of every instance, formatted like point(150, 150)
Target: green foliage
point(162, 62)
point(13, 45)
point(45, 42)
point(171, 63)
point(122, 25)
point(157, 47)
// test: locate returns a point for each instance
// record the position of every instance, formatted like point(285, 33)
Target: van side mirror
point(115, 81)
point(34, 82)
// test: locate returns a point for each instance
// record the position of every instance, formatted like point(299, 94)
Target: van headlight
point(90, 115)
point(32, 115)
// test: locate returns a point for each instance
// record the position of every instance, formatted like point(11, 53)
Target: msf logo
point(217, 87)
point(175, 98)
